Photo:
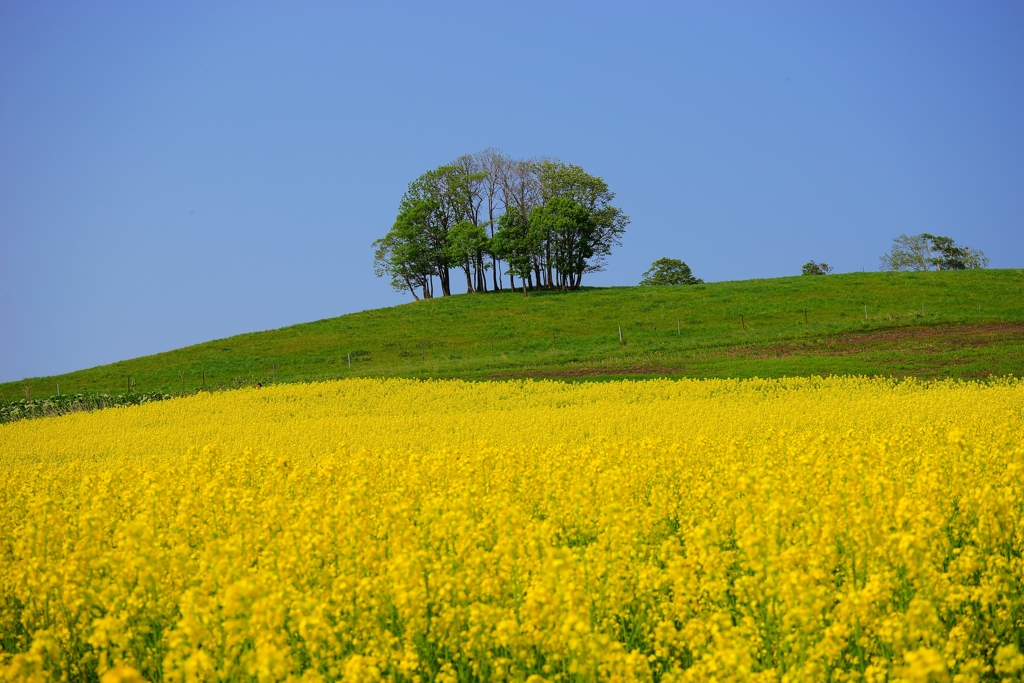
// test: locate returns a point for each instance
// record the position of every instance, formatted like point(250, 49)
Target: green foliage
point(608, 223)
point(515, 243)
point(970, 326)
point(669, 271)
point(931, 252)
point(466, 241)
point(812, 268)
point(569, 232)
point(404, 253)
point(51, 406)
point(419, 245)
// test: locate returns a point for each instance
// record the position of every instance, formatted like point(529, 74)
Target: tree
point(493, 163)
point(514, 243)
point(388, 260)
point(466, 242)
point(909, 253)
point(812, 268)
point(931, 252)
point(568, 231)
point(669, 271)
point(403, 253)
point(592, 193)
point(419, 242)
point(521, 188)
point(433, 200)
point(951, 256)
point(473, 191)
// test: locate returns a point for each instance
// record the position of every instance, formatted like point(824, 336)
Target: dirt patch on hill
point(973, 333)
point(905, 341)
point(605, 371)
point(921, 340)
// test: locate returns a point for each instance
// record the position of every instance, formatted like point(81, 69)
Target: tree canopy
point(543, 221)
point(812, 268)
point(931, 252)
point(669, 271)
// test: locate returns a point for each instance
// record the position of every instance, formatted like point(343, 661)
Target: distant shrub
point(669, 271)
point(812, 268)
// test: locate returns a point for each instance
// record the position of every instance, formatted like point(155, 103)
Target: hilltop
point(962, 324)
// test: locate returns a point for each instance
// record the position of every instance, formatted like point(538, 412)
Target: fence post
point(620, 334)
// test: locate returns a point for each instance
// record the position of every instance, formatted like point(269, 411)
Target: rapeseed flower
point(842, 529)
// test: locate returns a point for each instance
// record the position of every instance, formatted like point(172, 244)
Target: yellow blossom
point(843, 529)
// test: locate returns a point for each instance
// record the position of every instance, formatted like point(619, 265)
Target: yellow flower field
point(362, 530)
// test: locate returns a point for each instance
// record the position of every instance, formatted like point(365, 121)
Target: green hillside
point(971, 325)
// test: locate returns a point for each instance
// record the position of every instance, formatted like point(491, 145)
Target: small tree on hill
point(812, 268)
point(931, 252)
point(669, 271)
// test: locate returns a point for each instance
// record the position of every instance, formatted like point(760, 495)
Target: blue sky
point(172, 173)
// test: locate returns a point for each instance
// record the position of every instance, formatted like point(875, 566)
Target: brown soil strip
point(916, 340)
point(925, 332)
point(607, 371)
point(922, 340)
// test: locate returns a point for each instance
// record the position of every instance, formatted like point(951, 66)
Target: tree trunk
point(495, 276)
point(547, 250)
point(481, 274)
point(469, 280)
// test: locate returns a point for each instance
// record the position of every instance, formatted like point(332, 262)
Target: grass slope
point(972, 325)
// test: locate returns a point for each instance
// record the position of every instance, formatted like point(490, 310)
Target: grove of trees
point(542, 221)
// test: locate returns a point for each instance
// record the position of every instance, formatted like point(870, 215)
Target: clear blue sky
point(172, 173)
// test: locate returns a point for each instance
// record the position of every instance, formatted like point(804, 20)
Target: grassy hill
point(935, 324)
